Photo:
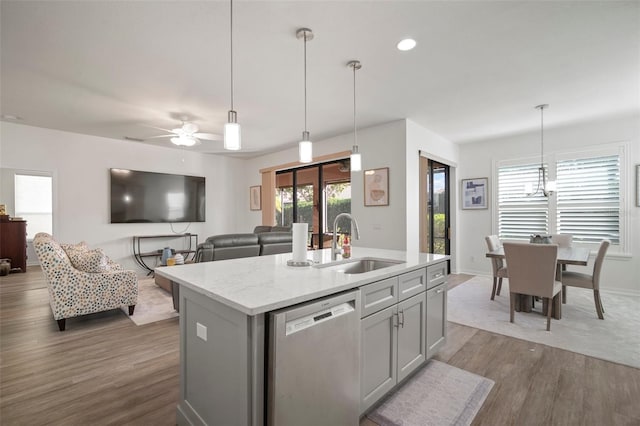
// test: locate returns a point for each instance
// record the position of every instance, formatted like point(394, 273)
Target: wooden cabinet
point(436, 318)
point(13, 243)
point(378, 372)
point(393, 336)
point(403, 325)
point(412, 316)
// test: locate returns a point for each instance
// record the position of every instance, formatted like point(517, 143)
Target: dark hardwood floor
point(105, 370)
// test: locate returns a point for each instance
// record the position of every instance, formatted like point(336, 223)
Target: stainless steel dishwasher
point(314, 363)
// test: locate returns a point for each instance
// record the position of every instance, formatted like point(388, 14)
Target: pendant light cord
point(355, 135)
point(305, 81)
point(541, 136)
point(231, 61)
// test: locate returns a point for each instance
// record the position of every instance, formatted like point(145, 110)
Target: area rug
point(154, 304)
point(616, 338)
point(437, 395)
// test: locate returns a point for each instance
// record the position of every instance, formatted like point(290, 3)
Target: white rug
point(154, 304)
point(616, 338)
point(438, 395)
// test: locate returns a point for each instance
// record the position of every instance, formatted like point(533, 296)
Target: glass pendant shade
point(232, 140)
point(551, 186)
point(305, 149)
point(356, 160)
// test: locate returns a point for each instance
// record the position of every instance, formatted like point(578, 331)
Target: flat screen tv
point(146, 197)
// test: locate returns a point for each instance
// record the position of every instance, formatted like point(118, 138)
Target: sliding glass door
point(434, 200)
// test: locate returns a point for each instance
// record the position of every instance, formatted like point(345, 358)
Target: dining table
point(566, 256)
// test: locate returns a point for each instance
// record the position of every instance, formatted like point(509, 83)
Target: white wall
point(437, 148)
point(620, 271)
point(381, 146)
point(80, 166)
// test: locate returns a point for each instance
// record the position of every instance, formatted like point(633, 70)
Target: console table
point(13, 242)
point(188, 244)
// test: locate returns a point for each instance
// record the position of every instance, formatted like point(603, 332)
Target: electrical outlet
point(201, 331)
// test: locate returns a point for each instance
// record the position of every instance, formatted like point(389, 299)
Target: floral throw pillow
point(94, 261)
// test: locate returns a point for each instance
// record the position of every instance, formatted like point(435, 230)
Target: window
point(33, 197)
point(314, 194)
point(588, 200)
point(520, 215)
point(587, 203)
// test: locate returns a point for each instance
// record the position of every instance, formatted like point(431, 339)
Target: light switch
point(201, 331)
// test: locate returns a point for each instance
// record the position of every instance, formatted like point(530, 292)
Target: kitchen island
point(225, 308)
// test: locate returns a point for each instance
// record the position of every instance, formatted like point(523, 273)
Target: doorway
point(435, 227)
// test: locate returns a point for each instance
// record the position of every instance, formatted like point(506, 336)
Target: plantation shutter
point(520, 215)
point(588, 204)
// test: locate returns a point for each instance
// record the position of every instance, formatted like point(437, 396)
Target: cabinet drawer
point(412, 283)
point(436, 274)
point(379, 295)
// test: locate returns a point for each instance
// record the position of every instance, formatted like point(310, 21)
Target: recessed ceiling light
point(406, 44)
point(10, 117)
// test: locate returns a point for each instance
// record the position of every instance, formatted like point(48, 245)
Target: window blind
point(588, 198)
point(520, 215)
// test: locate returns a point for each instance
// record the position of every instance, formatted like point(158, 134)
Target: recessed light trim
point(406, 44)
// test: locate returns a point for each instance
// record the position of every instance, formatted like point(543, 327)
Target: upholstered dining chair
point(562, 240)
point(498, 266)
point(532, 271)
point(577, 279)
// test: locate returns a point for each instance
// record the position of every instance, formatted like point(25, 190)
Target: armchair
point(73, 291)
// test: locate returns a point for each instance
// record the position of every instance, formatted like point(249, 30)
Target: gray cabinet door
point(411, 334)
point(436, 318)
point(379, 334)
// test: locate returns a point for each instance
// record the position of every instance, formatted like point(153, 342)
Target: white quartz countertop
point(255, 285)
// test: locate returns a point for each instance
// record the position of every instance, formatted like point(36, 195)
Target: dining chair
point(532, 272)
point(499, 268)
point(563, 241)
point(577, 279)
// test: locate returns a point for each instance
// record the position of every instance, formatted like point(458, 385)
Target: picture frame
point(637, 185)
point(255, 197)
point(376, 187)
point(475, 193)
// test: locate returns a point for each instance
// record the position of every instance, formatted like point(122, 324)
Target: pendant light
point(305, 148)
point(356, 158)
point(546, 188)
point(231, 128)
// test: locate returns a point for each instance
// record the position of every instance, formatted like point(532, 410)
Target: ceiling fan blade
point(208, 136)
point(161, 136)
point(158, 128)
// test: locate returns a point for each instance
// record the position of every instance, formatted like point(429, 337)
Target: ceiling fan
point(186, 135)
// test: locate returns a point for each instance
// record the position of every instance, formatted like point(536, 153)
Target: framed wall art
point(474, 193)
point(255, 197)
point(376, 187)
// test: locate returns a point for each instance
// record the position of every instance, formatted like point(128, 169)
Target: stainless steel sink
point(361, 265)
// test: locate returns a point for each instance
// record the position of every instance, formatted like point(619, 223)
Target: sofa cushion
point(261, 228)
point(233, 240)
point(94, 261)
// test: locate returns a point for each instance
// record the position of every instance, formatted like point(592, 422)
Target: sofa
point(83, 281)
point(263, 241)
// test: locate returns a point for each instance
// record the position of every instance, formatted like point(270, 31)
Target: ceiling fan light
point(184, 141)
point(232, 139)
point(305, 149)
